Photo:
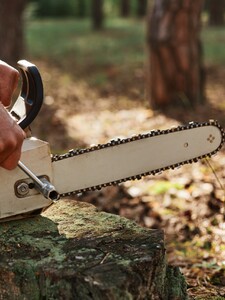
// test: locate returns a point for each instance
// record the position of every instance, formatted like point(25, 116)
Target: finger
point(10, 154)
point(11, 161)
point(10, 149)
point(9, 78)
point(11, 139)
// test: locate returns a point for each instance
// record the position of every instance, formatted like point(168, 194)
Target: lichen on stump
point(72, 251)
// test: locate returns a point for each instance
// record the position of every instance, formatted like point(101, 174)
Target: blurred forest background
point(118, 67)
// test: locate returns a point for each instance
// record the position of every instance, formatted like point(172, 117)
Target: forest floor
point(188, 203)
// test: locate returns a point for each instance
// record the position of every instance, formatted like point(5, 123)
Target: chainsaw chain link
point(75, 152)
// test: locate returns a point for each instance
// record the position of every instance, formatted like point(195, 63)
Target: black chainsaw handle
point(30, 100)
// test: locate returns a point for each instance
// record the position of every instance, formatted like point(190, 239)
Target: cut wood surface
point(72, 251)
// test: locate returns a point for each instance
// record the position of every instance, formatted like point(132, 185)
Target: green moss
point(176, 284)
point(75, 252)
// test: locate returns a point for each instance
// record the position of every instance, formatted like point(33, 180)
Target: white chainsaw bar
point(120, 161)
point(107, 164)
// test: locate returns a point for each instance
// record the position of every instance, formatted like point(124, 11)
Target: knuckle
point(8, 165)
point(11, 161)
point(2, 147)
point(11, 143)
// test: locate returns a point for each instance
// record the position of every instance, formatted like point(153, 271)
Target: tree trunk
point(11, 30)
point(74, 252)
point(97, 14)
point(175, 57)
point(141, 8)
point(125, 8)
point(216, 12)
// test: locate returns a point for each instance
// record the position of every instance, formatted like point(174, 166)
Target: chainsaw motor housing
point(18, 193)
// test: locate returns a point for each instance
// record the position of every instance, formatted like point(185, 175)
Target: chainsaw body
point(18, 193)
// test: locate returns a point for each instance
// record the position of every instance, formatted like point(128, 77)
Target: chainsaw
point(42, 178)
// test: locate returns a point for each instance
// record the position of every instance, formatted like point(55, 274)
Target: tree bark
point(11, 30)
point(175, 56)
point(74, 252)
point(125, 8)
point(97, 14)
point(216, 12)
point(141, 8)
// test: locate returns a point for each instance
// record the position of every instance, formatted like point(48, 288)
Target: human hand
point(8, 82)
point(11, 135)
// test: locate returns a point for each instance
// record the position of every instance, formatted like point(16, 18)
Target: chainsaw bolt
point(22, 189)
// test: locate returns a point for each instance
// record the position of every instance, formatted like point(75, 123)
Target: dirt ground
point(188, 203)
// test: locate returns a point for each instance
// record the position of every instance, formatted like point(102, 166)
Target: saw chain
point(112, 143)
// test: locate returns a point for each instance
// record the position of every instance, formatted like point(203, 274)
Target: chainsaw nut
point(22, 189)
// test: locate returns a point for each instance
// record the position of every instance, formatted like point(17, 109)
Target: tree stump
point(72, 251)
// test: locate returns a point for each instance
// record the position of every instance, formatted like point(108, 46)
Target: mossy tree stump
point(72, 251)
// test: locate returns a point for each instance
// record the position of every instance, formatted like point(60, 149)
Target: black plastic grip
point(30, 100)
